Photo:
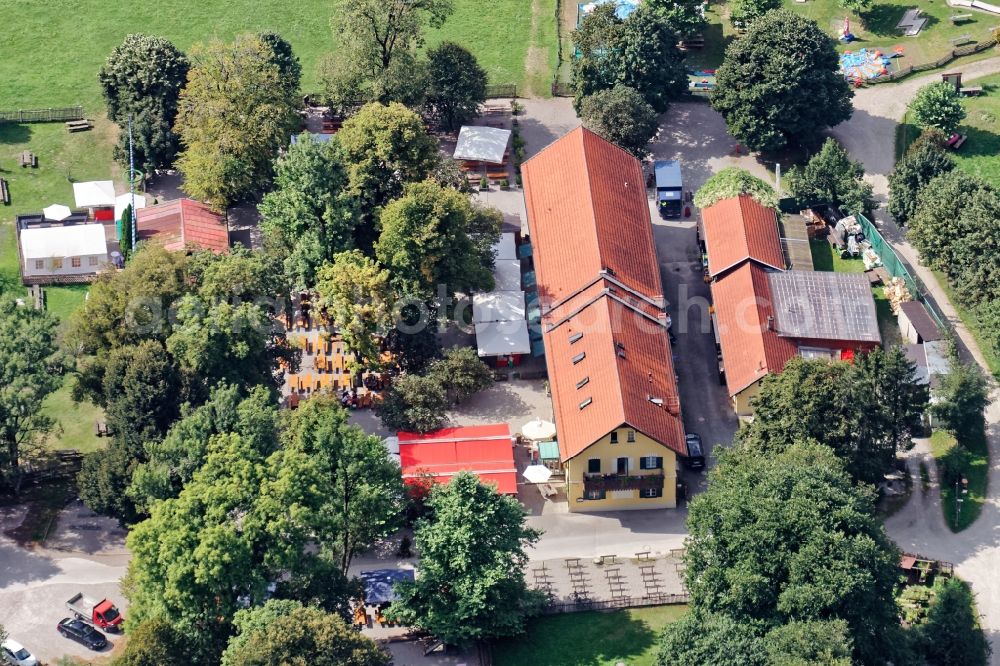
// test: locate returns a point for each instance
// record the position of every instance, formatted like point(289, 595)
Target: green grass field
point(976, 472)
point(53, 49)
point(590, 639)
point(980, 155)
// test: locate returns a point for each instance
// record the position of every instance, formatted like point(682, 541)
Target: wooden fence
point(498, 90)
point(940, 62)
point(42, 115)
point(615, 604)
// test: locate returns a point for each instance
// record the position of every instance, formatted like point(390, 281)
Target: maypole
point(131, 182)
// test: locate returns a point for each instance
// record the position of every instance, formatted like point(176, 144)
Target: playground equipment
point(864, 65)
point(845, 33)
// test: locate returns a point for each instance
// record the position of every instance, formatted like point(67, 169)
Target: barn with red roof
point(487, 451)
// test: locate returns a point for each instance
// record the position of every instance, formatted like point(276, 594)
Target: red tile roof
point(183, 222)
point(598, 276)
point(486, 451)
point(750, 348)
point(738, 229)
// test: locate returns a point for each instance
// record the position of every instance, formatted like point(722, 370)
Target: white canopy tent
point(539, 430)
point(504, 248)
point(483, 144)
point(72, 241)
point(56, 212)
point(95, 193)
point(507, 275)
point(537, 473)
point(500, 338)
point(122, 202)
point(498, 306)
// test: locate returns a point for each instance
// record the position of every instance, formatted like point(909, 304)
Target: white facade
point(60, 251)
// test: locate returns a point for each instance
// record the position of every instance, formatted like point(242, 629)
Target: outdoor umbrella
point(537, 473)
point(56, 212)
point(539, 430)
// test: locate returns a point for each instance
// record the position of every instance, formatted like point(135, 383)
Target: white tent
point(504, 248)
point(96, 193)
point(537, 473)
point(56, 212)
point(500, 338)
point(539, 430)
point(507, 275)
point(483, 144)
point(498, 306)
point(122, 201)
point(73, 241)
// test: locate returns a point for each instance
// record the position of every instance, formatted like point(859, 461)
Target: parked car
point(15, 654)
point(101, 613)
point(696, 453)
point(81, 632)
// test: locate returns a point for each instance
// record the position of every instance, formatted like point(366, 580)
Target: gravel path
point(919, 527)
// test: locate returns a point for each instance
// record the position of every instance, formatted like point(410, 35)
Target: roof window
point(586, 402)
point(583, 382)
point(579, 357)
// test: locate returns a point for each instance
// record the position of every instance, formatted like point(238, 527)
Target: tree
point(937, 105)
point(819, 642)
point(154, 642)
point(309, 215)
point(425, 243)
point(103, 478)
point(471, 584)
point(413, 404)
point(461, 373)
point(962, 396)
point(143, 77)
point(457, 84)
point(859, 7)
point(233, 125)
point(639, 52)
point(952, 634)
point(760, 96)
point(924, 161)
point(142, 391)
point(710, 638)
point(838, 404)
point(977, 279)
point(357, 294)
point(377, 41)
point(384, 148)
point(940, 222)
point(240, 275)
point(685, 17)
point(289, 67)
point(758, 532)
point(744, 12)
point(298, 636)
point(621, 116)
point(731, 182)
point(30, 369)
point(832, 177)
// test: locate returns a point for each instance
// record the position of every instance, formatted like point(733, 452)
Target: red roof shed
point(183, 222)
point(486, 451)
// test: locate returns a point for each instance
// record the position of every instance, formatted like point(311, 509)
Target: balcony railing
point(622, 481)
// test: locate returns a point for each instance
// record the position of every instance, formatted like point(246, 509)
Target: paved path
point(870, 137)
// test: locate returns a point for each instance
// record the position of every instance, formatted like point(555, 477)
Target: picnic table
point(971, 91)
point(28, 158)
point(911, 23)
point(78, 125)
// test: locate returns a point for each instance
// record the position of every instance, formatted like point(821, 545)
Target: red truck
point(101, 613)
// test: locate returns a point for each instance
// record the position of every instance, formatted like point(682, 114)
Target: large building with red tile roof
point(486, 451)
point(183, 223)
point(604, 326)
point(766, 315)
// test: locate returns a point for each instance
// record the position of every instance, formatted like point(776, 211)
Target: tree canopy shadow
point(12, 133)
point(881, 20)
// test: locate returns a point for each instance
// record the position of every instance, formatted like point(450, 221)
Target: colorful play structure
point(864, 65)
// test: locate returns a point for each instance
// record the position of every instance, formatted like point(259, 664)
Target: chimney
point(770, 322)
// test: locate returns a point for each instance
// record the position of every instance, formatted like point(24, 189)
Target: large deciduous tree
point(639, 52)
point(309, 217)
point(760, 95)
point(289, 67)
point(30, 369)
point(472, 558)
point(456, 84)
point(925, 160)
point(384, 148)
point(461, 373)
point(744, 12)
point(426, 243)
point(937, 105)
point(154, 642)
point(282, 632)
point(685, 17)
point(414, 404)
point(622, 116)
point(143, 78)
point(787, 536)
point(235, 112)
point(832, 177)
point(951, 633)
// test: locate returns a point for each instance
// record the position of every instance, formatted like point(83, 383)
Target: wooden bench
point(78, 125)
point(959, 18)
point(547, 490)
point(971, 91)
point(28, 158)
point(962, 39)
point(4, 192)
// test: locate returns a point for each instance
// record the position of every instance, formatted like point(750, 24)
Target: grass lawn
point(979, 154)
point(76, 421)
point(825, 259)
point(36, 75)
point(590, 639)
point(976, 472)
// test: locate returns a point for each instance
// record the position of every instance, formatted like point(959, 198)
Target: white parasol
point(537, 473)
point(539, 430)
point(56, 212)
